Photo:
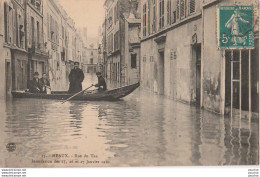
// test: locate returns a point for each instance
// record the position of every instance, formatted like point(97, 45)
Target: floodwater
point(143, 129)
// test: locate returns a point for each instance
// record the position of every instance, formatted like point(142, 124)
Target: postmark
point(11, 147)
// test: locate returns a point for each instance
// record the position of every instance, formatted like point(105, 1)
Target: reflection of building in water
point(75, 112)
point(24, 126)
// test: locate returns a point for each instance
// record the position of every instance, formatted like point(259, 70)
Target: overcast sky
point(89, 13)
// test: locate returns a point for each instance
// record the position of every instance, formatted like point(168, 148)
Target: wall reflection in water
point(143, 129)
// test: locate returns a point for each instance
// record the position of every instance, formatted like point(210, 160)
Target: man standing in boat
point(76, 78)
point(102, 86)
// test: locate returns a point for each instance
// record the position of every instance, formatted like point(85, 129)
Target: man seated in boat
point(102, 86)
point(34, 84)
point(45, 84)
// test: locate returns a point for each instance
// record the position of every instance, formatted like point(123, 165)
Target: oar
point(76, 94)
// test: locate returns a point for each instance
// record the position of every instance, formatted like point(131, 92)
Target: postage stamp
point(235, 27)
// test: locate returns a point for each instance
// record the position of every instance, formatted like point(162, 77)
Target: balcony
point(38, 50)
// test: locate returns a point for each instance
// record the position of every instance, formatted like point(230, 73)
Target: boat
point(109, 95)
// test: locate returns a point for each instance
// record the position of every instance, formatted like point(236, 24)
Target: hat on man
point(76, 63)
point(36, 74)
point(98, 73)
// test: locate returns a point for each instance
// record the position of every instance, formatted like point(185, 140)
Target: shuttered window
point(168, 12)
point(161, 14)
point(182, 9)
point(144, 20)
point(154, 16)
point(192, 6)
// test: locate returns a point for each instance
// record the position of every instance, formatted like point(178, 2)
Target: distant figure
point(76, 78)
point(45, 83)
point(102, 86)
point(34, 84)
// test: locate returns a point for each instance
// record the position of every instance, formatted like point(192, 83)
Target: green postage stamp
point(235, 27)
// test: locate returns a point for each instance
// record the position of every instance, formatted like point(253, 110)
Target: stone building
point(118, 25)
point(37, 54)
point(91, 59)
point(3, 79)
point(180, 55)
point(15, 56)
point(170, 56)
point(54, 42)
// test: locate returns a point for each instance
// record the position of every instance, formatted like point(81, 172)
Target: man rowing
point(102, 86)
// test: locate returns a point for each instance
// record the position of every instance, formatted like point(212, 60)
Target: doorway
point(161, 73)
point(8, 78)
point(198, 72)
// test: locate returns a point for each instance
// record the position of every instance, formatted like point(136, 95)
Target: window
point(174, 17)
point(6, 9)
point(154, 16)
point(91, 60)
point(178, 9)
point(192, 6)
point(149, 17)
point(63, 33)
point(168, 12)
point(32, 31)
point(161, 14)
point(8, 22)
point(144, 20)
point(116, 12)
point(133, 60)
point(182, 9)
point(38, 34)
point(116, 41)
point(110, 43)
point(110, 18)
point(91, 53)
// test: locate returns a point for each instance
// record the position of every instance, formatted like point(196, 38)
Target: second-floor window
point(149, 17)
point(169, 12)
point(116, 41)
point(183, 9)
point(144, 20)
point(91, 60)
point(8, 23)
point(161, 14)
point(192, 6)
point(153, 15)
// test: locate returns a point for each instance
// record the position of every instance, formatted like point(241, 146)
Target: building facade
point(216, 65)
point(121, 20)
point(91, 60)
point(37, 36)
point(37, 51)
point(180, 55)
point(170, 58)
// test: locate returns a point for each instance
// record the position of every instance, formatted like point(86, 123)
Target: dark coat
point(44, 83)
point(34, 86)
point(76, 77)
point(102, 86)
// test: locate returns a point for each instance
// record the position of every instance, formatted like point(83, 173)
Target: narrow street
point(143, 129)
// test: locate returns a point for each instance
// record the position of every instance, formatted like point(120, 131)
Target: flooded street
point(142, 129)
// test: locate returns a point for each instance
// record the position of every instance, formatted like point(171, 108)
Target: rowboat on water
point(109, 95)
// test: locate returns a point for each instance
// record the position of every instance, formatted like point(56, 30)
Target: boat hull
point(108, 95)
